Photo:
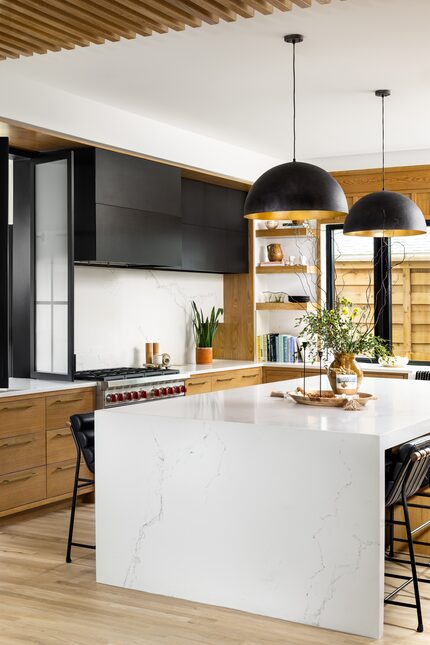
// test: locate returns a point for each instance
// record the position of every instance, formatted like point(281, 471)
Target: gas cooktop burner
point(118, 373)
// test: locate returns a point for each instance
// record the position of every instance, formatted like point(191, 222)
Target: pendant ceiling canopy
point(295, 190)
point(384, 213)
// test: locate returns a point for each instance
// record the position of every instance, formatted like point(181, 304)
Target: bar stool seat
point(82, 429)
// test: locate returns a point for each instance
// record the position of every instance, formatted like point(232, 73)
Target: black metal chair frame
point(80, 482)
point(415, 469)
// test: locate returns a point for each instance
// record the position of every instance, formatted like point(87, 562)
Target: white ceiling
point(232, 81)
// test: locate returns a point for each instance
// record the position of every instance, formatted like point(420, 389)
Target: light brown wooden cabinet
point(37, 452)
point(273, 374)
point(223, 380)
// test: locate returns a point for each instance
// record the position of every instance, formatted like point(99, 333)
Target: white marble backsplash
point(118, 310)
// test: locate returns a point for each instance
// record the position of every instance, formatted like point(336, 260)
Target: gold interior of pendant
point(386, 233)
point(297, 215)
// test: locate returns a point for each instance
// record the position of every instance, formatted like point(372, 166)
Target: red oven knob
point(129, 396)
point(136, 395)
point(183, 388)
point(163, 391)
point(111, 398)
point(157, 392)
point(143, 394)
point(170, 390)
point(120, 396)
point(177, 389)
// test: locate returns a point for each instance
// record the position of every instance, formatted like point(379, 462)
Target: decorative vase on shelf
point(344, 374)
point(271, 224)
point(204, 355)
point(274, 253)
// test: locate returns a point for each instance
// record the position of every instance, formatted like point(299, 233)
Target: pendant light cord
point(294, 101)
point(383, 142)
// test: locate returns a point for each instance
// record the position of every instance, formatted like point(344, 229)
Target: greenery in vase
point(339, 330)
point(205, 329)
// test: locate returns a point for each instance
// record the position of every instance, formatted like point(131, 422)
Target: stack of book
point(278, 348)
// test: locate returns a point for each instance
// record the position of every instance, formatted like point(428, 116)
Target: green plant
point(341, 330)
point(205, 329)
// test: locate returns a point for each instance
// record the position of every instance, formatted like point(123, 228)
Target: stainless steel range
point(128, 385)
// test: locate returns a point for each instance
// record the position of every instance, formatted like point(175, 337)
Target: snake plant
point(205, 329)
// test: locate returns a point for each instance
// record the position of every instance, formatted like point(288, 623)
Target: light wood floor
point(44, 601)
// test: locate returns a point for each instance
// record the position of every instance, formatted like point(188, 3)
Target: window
point(401, 314)
point(410, 261)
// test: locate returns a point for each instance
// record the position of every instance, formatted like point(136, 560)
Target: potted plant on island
point(345, 332)
point(204, 332)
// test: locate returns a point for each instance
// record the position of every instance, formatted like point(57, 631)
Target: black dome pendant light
point(384, 213)
point(295, 190)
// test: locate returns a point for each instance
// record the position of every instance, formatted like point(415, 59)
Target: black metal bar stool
point(406, 474)
point(82, 428)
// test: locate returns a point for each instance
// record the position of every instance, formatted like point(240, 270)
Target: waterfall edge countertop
point(238, 499)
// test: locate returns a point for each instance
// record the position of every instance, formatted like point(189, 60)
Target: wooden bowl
point(327, 399)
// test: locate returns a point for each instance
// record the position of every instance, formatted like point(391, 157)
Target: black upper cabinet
point(129, 236)
point(130, 211)
point(215, 233)
point(127, 210)
point(139, 184)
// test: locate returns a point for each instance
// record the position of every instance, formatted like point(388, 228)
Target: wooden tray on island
point(327, 399)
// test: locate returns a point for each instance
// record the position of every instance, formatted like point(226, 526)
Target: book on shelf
point(277, 348)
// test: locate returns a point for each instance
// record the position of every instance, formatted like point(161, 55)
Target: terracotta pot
point(204, 355)
point(274, 252)
point(344, 374)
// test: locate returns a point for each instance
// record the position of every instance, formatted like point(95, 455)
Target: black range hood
point(127, 211)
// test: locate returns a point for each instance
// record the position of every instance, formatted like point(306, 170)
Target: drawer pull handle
point(197, 383)
point(18, 479)
point(62, 435)
point(66, 401)
point(60, 468)
point(224, 380)
point(249, 375)
point(17, 443)
point(15, 407)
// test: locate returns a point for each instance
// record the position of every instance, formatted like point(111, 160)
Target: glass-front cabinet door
point(52, 306)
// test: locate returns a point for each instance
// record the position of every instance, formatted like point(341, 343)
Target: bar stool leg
point(73, 509)
point(420, 627)
point(391, 533)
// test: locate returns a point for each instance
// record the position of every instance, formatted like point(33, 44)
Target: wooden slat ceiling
point(30, 27)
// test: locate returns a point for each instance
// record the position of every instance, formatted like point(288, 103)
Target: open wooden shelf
point(285, 306)
point(282, 232)
point(287, 269)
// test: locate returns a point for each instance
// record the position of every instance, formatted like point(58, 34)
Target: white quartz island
point(255, 503)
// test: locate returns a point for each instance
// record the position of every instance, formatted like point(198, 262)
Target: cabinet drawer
point(59, 446)
point(23, 451)
point(225, 381)
point(249, 377)
point(61, 475)
point(22, 487)
point(371, 374)
point(273, 374)
point(199, 385)
point(21, 417)
point(60, 407)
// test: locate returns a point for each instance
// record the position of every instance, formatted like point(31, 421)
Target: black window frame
point(383, 297)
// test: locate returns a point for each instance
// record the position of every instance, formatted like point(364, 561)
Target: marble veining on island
point(249, 502)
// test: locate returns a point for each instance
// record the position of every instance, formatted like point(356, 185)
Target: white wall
point(118, 310)
point(57, 111)
point(364, 161)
